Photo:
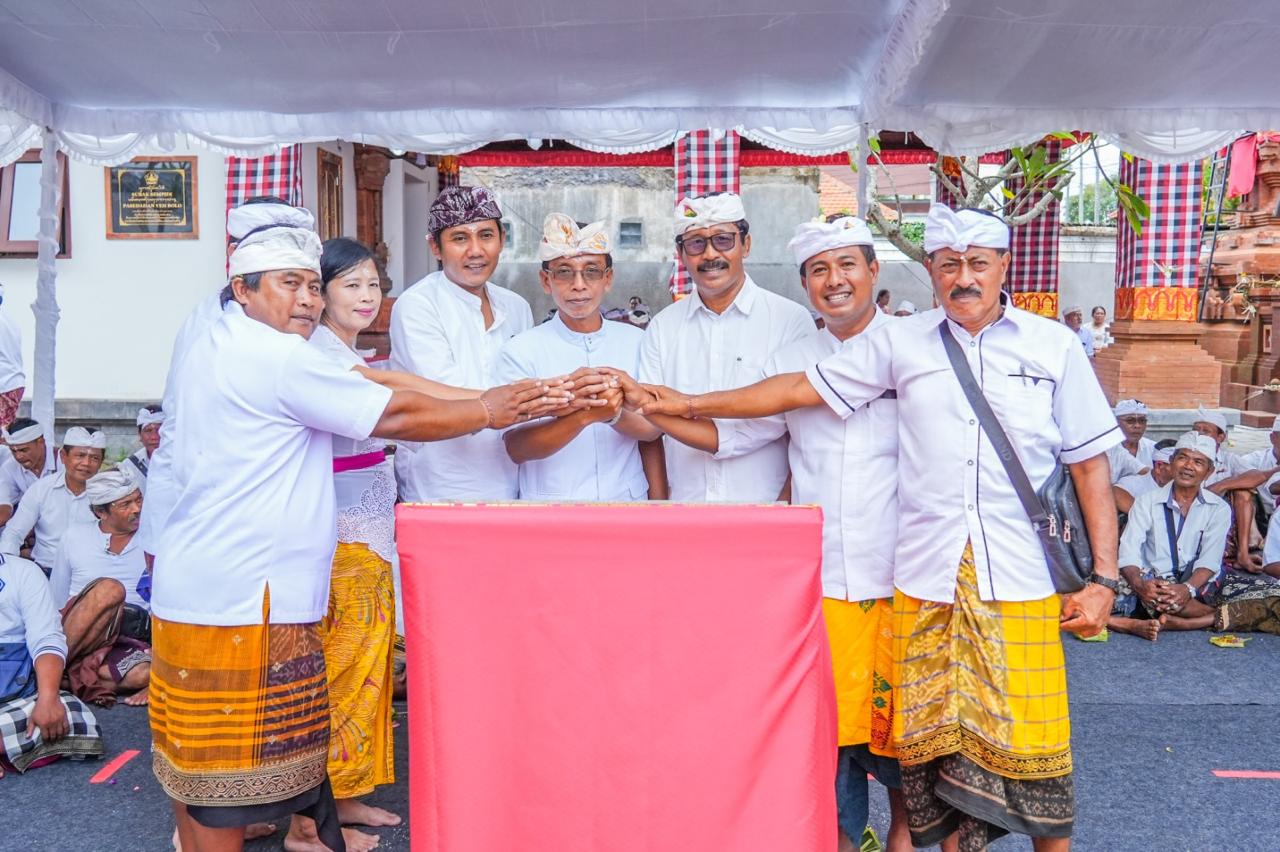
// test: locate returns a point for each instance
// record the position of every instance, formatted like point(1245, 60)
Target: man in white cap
point(255, 214)
point(150, 418)
point(1236, 482)
point(592, 453)
point(1131, 414)
point(906, 309)
point(1172, 547)
point(30, 457)
point(850, 468)
point(1267, 458)
point(57, 501)
point(242, 565)
point(1135, 485)
point(95, 580)
point(718, 338)
point(448, 327)
point(1073, 317)
point(973, 589)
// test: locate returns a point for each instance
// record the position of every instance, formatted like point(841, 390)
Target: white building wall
point(122, 301)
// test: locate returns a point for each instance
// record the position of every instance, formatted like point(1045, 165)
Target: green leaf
point(873, 142)
point(1063, 135)
point(853, 160)
point(1128, 158)
point(1008, 193)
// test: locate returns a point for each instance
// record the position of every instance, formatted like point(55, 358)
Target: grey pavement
point(1151, 724)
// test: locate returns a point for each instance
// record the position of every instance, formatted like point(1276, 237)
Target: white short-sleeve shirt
point(83, 557)
point(253, 468)
point(16, 479)
point(30, 626)
point(694, 350)
point(438, 332)
point(1041, 386)
point(848, 467)
point(600, 463)
point(161, 491)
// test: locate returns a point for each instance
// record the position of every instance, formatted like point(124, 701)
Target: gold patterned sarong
point(985, 679)
point(358, 634)
point(861, 638)
point(239, 715)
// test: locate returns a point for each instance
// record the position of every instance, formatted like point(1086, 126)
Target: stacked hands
point(1162, 595)
point(594, 394)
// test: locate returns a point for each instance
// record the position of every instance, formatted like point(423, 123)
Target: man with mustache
point(718, 338)
point(96, 575)
point(981, 721)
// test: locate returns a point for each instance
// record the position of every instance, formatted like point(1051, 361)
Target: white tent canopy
point(1164, 78)
point(105, 79)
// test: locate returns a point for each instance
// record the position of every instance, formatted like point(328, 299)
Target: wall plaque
point(152, 199)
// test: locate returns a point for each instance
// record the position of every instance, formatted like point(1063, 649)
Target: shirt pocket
point(882, 419)
point(1025, 404)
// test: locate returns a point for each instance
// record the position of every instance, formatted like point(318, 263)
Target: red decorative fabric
point(664, 684)
point(275, 174)
point(704, 163)
point(1167, 253)
point(1033, 247)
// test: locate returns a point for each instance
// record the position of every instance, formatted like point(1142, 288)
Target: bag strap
point(1173, 542)
point(991, 425)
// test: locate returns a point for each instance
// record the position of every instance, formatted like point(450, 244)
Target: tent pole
point(45, 306)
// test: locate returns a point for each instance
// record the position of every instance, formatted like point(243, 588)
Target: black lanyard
point(1173, 541)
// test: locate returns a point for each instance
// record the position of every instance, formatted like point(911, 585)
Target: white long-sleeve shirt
point(438, 332)
point(11, 374)
point(600, 463)
point(848, 467)
point(50, 509)
point(694, 350)
point(1042, 388)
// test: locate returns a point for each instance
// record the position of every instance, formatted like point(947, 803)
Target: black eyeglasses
point(698, 245)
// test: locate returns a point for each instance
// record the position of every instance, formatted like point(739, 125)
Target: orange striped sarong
point(239, 715)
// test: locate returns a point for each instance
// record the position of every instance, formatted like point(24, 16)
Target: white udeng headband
point(25, 435)
point(149, 418)
point(78, 436)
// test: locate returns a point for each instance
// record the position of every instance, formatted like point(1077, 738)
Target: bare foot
point(1250, 562)
point(302, 837)
point(1150, 629)
point(356, 812)
point(138, 699)
point(259, 830)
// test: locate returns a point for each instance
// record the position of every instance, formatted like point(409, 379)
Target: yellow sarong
point(986, 679)
point(358, 632)
point(861, 637)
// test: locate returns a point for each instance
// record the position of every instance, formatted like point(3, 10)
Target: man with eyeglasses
point(585, 453)
point(718, 338)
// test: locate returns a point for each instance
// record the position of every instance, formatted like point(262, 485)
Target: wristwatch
point(1105, 582)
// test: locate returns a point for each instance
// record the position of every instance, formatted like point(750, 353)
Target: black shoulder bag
point(1055, 510)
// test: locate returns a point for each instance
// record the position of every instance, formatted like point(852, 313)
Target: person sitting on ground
point(29, 459)
point(1074, 319)
point(1266, 458)
point(149, 419)
point(905, 309)
point(1131, 457)
point(56, 501)
point(1172, 547)
point(38, 721)
point(1159, 475)
point(107, 550)
point(1236, 484)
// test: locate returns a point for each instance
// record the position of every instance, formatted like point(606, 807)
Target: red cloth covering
point(617, 678)
point(1244, 163)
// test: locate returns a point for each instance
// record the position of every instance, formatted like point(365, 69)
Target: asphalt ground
point(1152, 724)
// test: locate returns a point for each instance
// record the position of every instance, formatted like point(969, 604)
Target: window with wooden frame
point(20, 207)
point(329, 192)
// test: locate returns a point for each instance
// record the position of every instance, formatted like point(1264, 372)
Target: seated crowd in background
point(1200, 546)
